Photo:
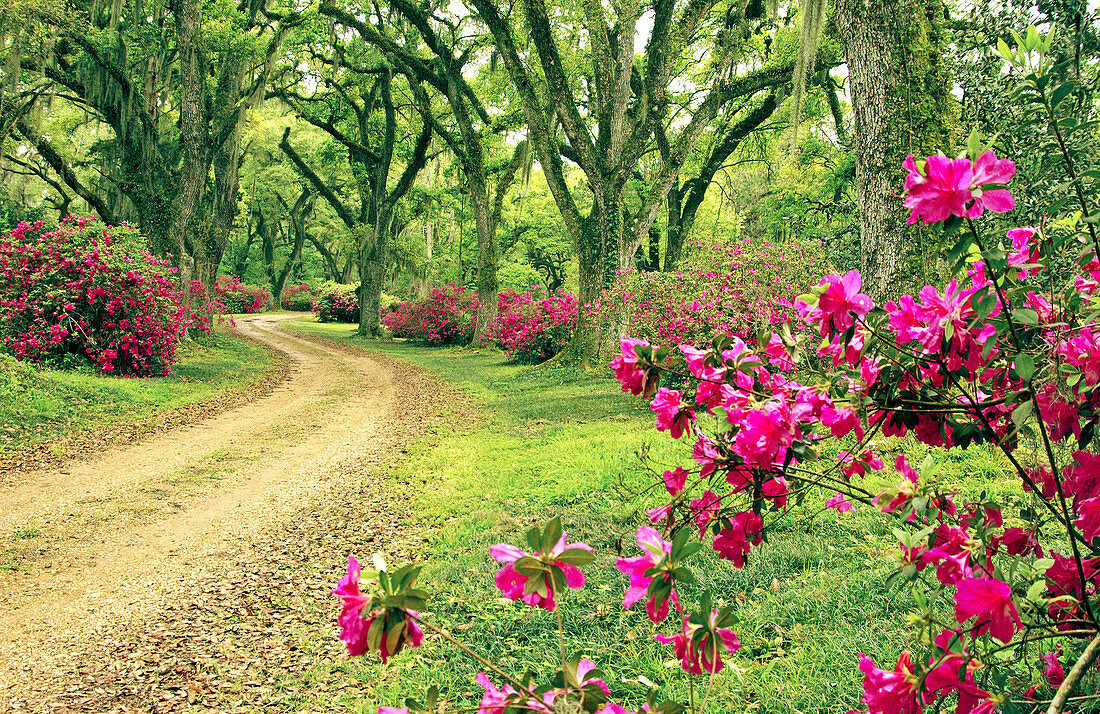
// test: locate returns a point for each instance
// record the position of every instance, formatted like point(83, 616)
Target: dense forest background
point(401, 146)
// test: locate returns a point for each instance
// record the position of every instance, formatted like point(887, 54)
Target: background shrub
point(299, 298)
point(241, 297)
point(338, 303)
point(734, 288)
point(531, 329)
point(88, 293)
point(447, 316)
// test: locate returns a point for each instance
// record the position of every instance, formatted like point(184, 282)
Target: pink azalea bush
point(242, 298)
point(299, 298)
point(86, 292)
point(447, 316)
point(995, 357)
point(531, 329)
point(338, 304)
point(722, 289)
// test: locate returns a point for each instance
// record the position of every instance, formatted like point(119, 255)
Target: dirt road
point(106, 546)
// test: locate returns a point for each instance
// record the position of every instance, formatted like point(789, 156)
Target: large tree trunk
point(487, 287)
point(584, 343)
point(372, 273)
point(193, 140)
point(674, 246)
point(900, 99)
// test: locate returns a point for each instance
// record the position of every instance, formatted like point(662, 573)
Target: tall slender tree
point(356, 106)
point(466, 127)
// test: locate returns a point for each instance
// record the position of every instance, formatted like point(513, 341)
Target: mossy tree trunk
point(900, 86)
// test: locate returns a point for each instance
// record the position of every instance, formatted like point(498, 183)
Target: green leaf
point(1026, 316)
point(393, 637)
point(533, 539)
point(1041, 565)
point(1022, 412)
point(551, 534)
point(684, 575)
point(985, 304)
point(1025, 366)
point(973, 145)
point(576, 556)
point(1005, 51)
point(1060, 93)
point(1033, 41)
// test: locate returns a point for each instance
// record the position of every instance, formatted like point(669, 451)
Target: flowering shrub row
point(338, 304)
point(299, 298)
point(734, 289)
point(242, 298)
point(446, 316)
point(530, 329)
point(86, 292)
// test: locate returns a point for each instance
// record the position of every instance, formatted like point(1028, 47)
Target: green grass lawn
point(38, 406)
point(554, 442)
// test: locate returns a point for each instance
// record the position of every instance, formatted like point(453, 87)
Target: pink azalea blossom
point(944, 187)
point(1052, 669)
point(704, 509)
point(733, 543)
point(627, 371)
point(763, 432)
point(675, 480)
point(890, 691)
point(988, 169)
point(353, 629)
point(672, 416)
point(704, 656)
point(654, 549)
point(840, 503)
point(515, 585)
point(990, 601)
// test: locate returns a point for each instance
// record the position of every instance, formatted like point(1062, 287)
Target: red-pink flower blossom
point(1052, 669)
point(672, 415)
point(675, 480)
point(944, 187)
point(705, 655)
point(733, 543)
point(627, 371)
point(654, 549)
point(515, 585)
point(890, 691)
point(990, 601)
point(704, 508)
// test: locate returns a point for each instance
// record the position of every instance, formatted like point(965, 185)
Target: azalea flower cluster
point(88, 292)
point(447, 316)
point(338, 304)
point(531, 329)
point(299, 298)
point(366, 623)
point(732, 288)
point(997, 356)
point(382, 620)
point(242, 298)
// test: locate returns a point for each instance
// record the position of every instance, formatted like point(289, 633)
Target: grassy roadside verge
point(54, 411)
point(552, 442)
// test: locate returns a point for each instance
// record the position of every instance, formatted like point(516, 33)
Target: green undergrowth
point(50, 406)
point(554, 442)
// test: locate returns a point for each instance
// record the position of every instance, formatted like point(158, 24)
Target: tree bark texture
point(900, 86)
